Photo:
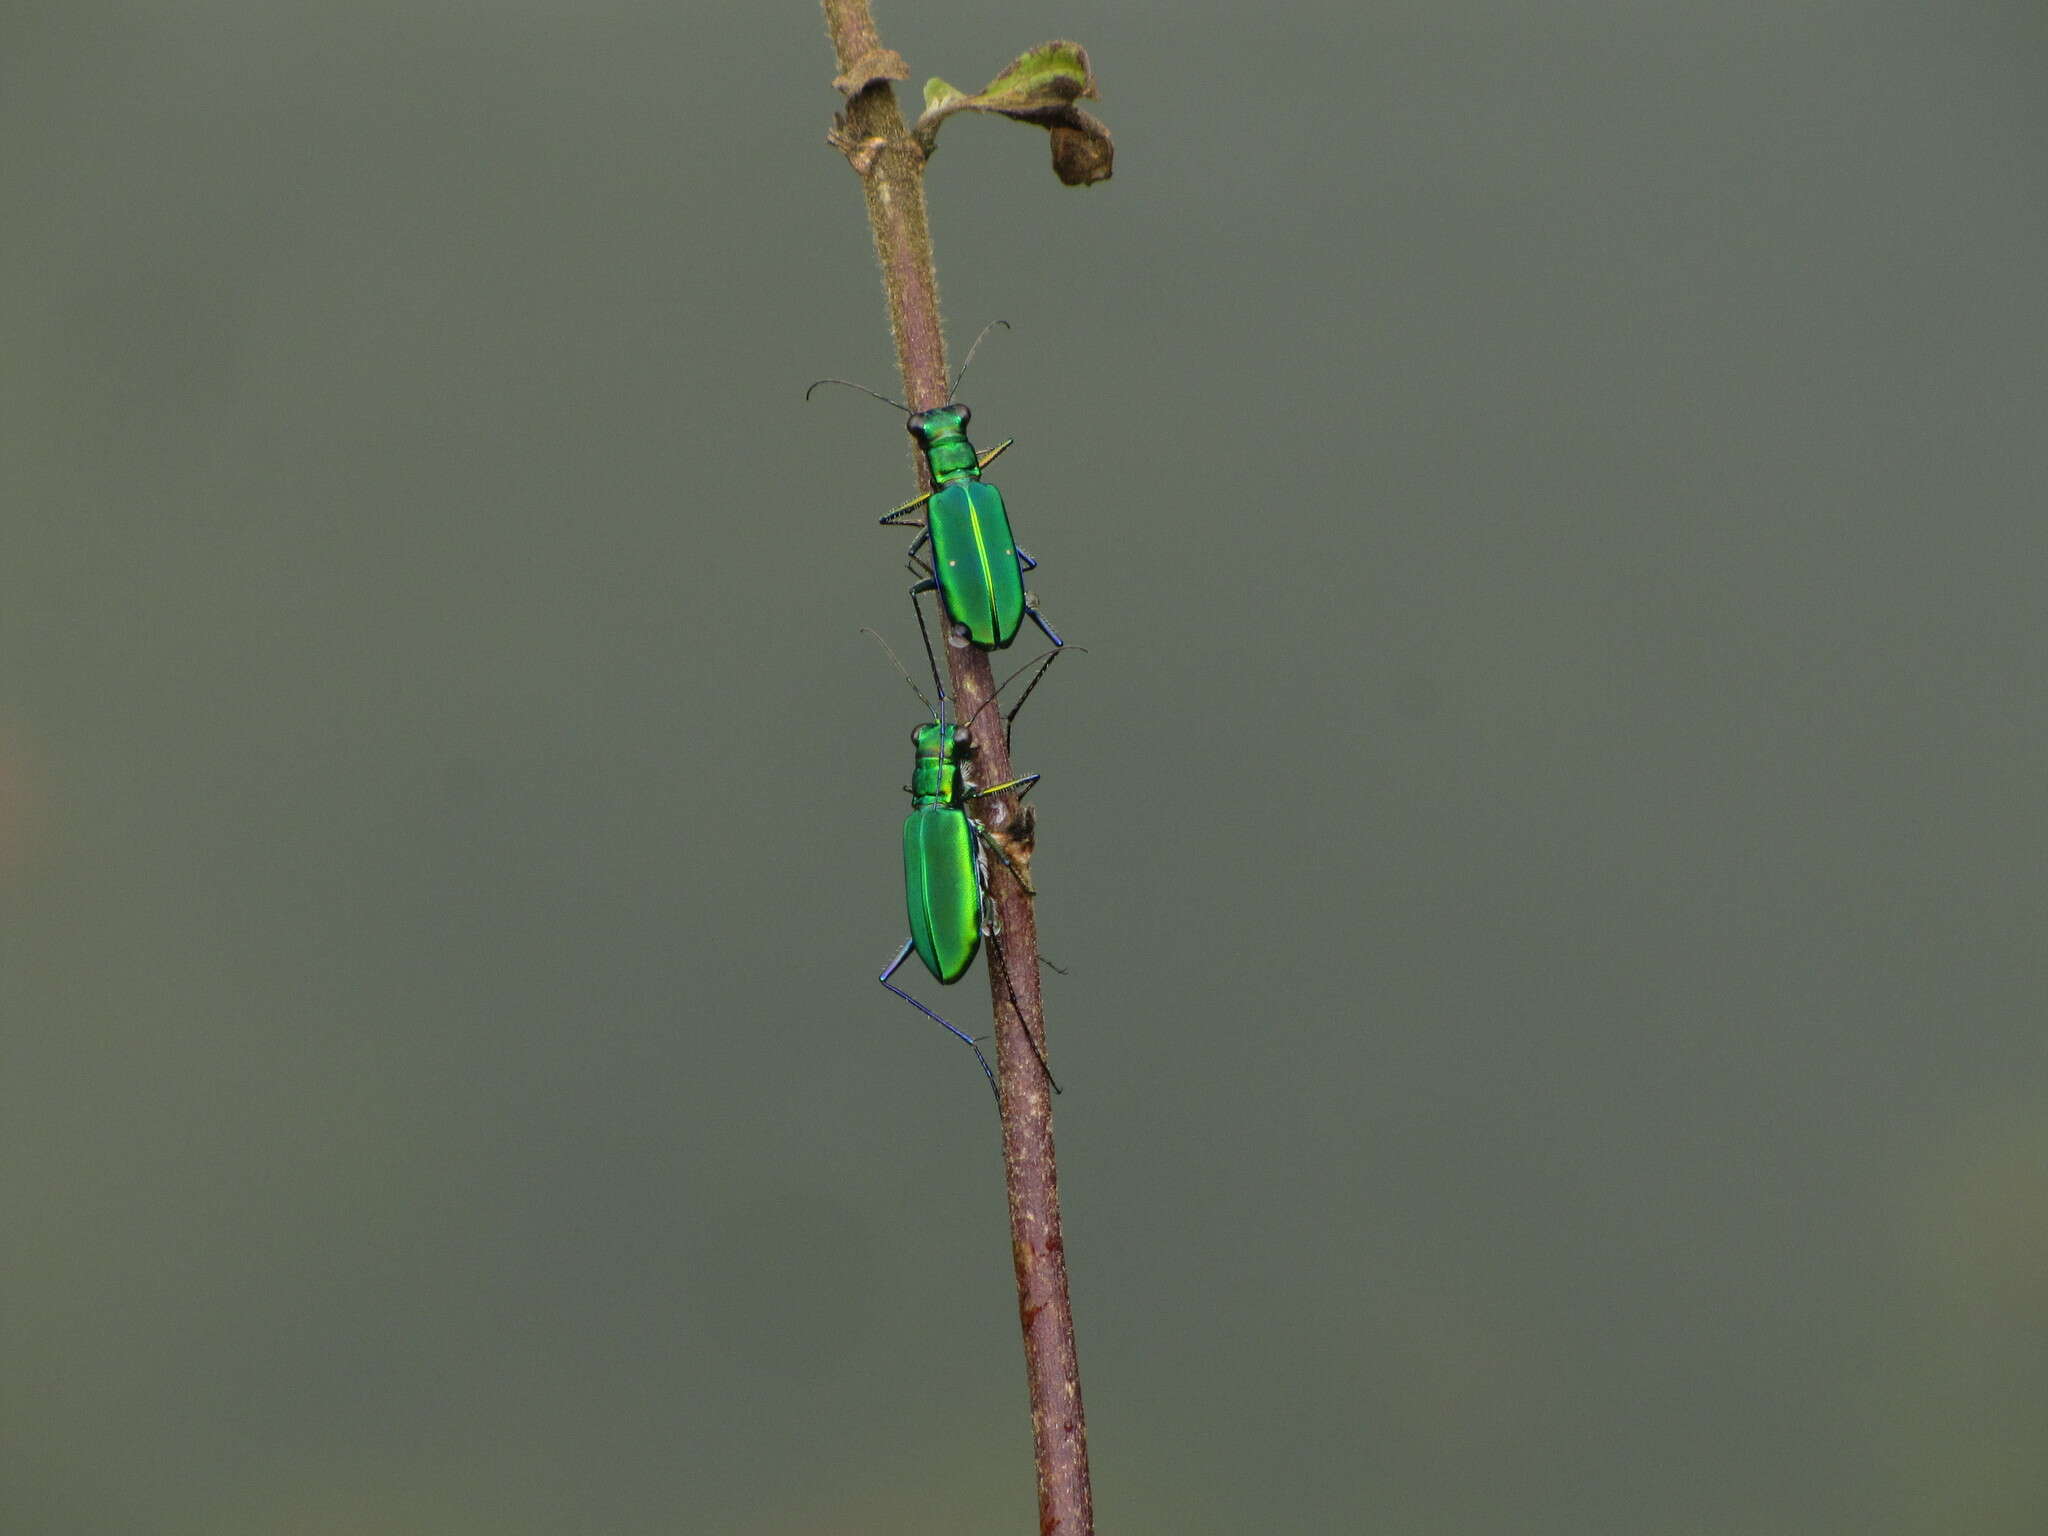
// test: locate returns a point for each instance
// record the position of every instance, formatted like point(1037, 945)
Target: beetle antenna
point(1011, 718)
point(927, 703)
point(972, 350)
point(864, 390)
point(1042, 663)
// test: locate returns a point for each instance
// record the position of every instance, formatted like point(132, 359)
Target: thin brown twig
point(891, 167)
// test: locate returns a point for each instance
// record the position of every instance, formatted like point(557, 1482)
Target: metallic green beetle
point(945, 878)
point(976, 566)
point(942, 871)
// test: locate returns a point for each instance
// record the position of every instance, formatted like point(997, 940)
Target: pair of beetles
point(977, 569)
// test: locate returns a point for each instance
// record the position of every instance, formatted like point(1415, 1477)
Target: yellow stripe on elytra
point(988, 575)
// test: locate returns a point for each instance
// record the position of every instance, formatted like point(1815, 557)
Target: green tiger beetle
point(945, 877)
point(976, 567)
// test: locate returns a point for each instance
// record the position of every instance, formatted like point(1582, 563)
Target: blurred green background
point(1547, 837)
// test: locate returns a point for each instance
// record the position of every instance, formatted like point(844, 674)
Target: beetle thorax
point(942, 434)
point(935, 780)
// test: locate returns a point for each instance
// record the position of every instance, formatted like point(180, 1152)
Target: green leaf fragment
point(1051, 72)
point(1040, 87)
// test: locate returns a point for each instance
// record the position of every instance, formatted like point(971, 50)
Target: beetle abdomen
point(940, 892)
point(975, 560)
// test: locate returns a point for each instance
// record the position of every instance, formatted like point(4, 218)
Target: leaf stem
point(890, 164)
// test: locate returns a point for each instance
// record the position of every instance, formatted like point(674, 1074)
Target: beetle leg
point(992, 928)
point(902, 955)
point(925, 635)
point(995, 929)
point(1027, 781)
point(988, 841)
point(1031, 612)
point(889, 518)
